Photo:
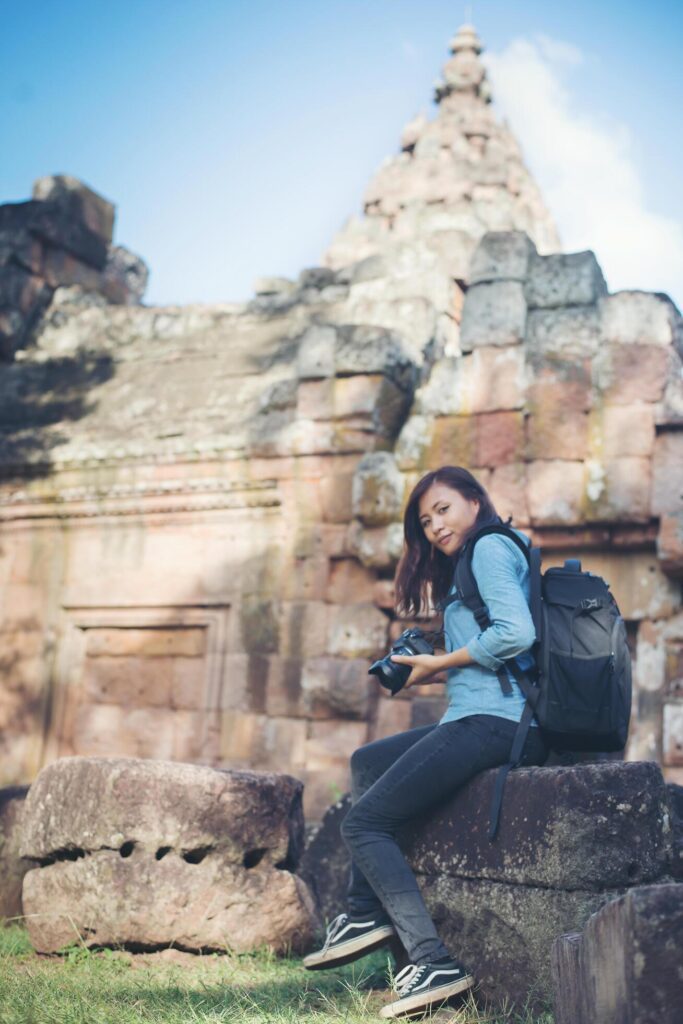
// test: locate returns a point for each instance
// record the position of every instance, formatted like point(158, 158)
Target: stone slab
point(627, 967)
point(94, 803)
point(585, 827)
point(564, 279)
point(505, 933)
point(150, 853)
point(143, 901)
point(501, 256)
point(493, 314)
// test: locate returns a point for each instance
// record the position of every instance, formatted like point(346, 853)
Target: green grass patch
point(114, 987)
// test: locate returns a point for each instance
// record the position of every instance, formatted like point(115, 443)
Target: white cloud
point(585, 168)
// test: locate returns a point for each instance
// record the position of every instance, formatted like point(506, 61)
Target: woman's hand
point(424, 666)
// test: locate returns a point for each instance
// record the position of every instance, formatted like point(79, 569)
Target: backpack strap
point(532, 692)
point(467, 590)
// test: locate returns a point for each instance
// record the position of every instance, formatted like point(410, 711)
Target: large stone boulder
point(626, 966)
point(148, 853)
point(12, 867)
point(571, 838)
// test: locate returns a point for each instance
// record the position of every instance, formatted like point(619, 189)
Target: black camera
point(393, 676)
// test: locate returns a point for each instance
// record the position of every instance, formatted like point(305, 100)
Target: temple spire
point(464, 73)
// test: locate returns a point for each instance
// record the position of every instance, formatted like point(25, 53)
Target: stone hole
point(196, 856)
point(161, 852)
point(126, 848)
point(254, 857)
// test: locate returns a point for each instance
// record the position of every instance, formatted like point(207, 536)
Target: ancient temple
point(200, 506)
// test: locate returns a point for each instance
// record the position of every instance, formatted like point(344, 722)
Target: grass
point(114, 987)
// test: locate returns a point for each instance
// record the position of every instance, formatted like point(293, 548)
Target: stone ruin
point(153, 854)
point(200, 506)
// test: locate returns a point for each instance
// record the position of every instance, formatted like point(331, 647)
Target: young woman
point(396, 779)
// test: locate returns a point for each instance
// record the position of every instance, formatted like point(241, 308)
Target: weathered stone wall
point(200, 507)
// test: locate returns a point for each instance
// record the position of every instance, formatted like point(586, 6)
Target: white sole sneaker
point(423, 1001)
point(350, 949)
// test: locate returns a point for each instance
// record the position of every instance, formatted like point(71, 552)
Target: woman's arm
point(495, 568)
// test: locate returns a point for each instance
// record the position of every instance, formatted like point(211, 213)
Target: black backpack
point(580, 690)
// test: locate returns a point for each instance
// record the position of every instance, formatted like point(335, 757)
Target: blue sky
point(235, 138)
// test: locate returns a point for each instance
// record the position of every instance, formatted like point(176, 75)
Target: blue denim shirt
point(502, 575)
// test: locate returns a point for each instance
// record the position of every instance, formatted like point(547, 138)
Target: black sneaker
point(349, 939)
point(420, 987)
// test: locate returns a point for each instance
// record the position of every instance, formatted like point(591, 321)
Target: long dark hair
point(425, 574)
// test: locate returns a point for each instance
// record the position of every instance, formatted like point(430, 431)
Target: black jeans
point(398, 778)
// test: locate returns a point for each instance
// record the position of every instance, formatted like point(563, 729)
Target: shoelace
point(408, 977)
point(333, 930)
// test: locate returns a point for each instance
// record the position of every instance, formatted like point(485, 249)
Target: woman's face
point(445, 517)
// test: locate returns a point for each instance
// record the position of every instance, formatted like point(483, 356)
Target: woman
point(400, 777)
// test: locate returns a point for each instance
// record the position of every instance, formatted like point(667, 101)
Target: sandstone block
point(334, 739)
point(500, 256)
point(315, 399)
point(357, 631)
point(53, 222)
point(667, 474)
point(148, 643)
point(316, 352)
point(132, 680)
point(237, 681)
point(484, 440)
point(493, 314)
point(672, 739)
point(78, 201)
point(349, 582)
point(125, 277)
point(377, 492)
point(413, 442)
point(393, 716)
point(335, 495)
point(506, 931)
point(62, 270)
point(638, 318)
point(626, 964)
point(618, 490)
point(623, 430)
point(555, 492)
point(284, 745)
point(373, 350)
point(571, 331)
point(241, 737)
point(508, 489)
point(283, 696)
point(12, 867)
point(336, 687)
point(378, 547)
point(488, 380)
point(638, 373)
point(553, 432)
point(303, 629)
point(670, 544)
point(566, 279)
